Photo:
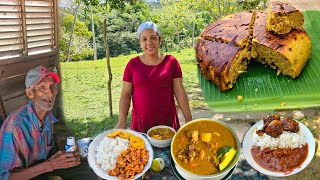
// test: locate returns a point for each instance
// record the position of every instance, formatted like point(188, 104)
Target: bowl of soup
point(161, 136)
point(205, 149)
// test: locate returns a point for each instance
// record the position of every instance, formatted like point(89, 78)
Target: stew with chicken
point(196, 145)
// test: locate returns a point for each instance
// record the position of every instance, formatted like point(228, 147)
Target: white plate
point(95, 143)
point(248, 143)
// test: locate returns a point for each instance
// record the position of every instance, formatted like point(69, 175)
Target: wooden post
point(105, 38)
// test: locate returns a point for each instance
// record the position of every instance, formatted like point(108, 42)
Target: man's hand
point(62, 160)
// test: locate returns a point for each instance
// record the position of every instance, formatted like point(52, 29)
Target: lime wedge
point(157, 164)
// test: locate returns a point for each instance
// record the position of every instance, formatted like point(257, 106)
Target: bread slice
point(221, 62)
point(224, 48)
point(288, 53)
point(283, 17)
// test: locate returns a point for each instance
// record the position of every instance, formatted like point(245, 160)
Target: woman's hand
point(62, 160)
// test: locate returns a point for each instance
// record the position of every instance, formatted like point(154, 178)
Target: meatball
point(290, 125)
point(274, 129)
point(267, 120)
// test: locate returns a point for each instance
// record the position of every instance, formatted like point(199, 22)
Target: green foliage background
point(81, 40)
point(180, 22)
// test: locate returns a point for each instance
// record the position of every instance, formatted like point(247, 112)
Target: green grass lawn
point(85, 98)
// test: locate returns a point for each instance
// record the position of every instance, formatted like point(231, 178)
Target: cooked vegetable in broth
point(161, 133)
point(196, 145)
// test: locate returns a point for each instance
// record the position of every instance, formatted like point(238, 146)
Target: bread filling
point(239, 65)
point(274, 59)
point(283, 23)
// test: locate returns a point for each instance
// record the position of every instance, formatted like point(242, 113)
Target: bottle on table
point(71, 145)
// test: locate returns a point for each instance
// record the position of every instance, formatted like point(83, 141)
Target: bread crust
point(230, 26)
point(278, 7)
point(294, 48)
point(283, 17)
point(215, 60)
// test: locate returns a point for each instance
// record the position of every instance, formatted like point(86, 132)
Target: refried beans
point(281, 159)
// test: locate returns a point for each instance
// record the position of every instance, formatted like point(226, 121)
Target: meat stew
point(195, 146)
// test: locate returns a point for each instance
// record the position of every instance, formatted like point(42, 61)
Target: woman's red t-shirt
point(152, 99)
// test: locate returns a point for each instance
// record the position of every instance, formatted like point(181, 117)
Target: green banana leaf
point(263, 90)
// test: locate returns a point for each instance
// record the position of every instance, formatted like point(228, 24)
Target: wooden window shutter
point(40, 26)
point(27, 27)
point(11, 37)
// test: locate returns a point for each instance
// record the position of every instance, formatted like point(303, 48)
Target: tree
point(122, 26)
point(109, 5)
point(249, 4)
point(195, 6)
point(183, 20)
point(80, 48)
point(93, 17)
point(72, 29)
point(172, 18)
point(93, 36)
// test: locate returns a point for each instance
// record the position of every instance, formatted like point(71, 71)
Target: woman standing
point(152, 80)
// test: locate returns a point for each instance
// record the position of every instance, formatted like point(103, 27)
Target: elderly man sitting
point(27, 136)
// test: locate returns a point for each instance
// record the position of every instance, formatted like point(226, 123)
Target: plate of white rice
point(285, 140)
point(104, 151)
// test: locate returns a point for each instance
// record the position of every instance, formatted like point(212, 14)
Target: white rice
point(108, 151)
point(285, 140)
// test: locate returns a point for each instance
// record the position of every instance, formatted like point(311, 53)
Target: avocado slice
point(227, 158)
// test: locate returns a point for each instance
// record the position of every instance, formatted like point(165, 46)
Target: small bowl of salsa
point(160, 136)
